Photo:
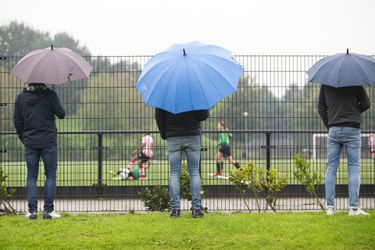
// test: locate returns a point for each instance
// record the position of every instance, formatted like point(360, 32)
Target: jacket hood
point(34, 93)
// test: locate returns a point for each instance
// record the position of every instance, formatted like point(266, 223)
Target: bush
point(262, 183)
point(249, 177)
point(310, 179)
point(156, 199)
point(274, 184)
point(5, 194)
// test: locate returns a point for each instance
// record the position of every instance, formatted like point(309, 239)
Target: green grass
point(214, 231)
point(84, 173)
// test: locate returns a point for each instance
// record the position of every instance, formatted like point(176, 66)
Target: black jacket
point(182, 124)
point(34, 116)
point(342, 106)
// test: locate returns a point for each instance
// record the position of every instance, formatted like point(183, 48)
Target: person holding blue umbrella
point(183, 83)
point(342, 100)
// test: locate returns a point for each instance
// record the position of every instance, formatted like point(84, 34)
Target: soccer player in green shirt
point(224, 149)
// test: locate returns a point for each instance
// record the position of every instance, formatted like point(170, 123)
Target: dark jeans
point(49, 157)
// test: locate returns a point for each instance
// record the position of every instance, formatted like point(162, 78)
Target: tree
point(17, 39)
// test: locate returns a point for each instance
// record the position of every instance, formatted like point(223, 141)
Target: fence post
point(268, 151)
point(100, 164)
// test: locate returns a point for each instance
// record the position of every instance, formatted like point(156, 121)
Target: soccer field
point(85, 173)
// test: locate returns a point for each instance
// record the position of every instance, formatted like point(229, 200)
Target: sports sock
point(217, 166)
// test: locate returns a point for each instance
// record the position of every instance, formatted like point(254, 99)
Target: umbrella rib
point(39, 59)
point(199, 85)
point(77, 64)
point(322, 66)
point(218, 72)
point(364, 73)
point(167, 67)
point(205, 97)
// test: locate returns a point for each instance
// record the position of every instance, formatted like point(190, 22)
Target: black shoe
point(31, 216)
point(51, 215)
point(175, 213)
point(196, 213)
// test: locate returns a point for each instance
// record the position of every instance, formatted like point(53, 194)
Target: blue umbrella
point(343, 70)
point(191, 76)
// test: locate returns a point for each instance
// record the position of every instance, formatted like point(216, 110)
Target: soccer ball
point(124, 174)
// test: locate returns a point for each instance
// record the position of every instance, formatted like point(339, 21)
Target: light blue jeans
point(350, 138)
point(191, 147)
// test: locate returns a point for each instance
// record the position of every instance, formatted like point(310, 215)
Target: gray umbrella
point(52, 66)
point(343, 70)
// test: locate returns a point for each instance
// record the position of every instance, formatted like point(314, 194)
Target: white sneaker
point(51, 215)
point(31, 216)
point(357, 212)
point(330, 211)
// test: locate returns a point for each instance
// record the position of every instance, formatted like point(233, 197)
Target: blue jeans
point(350, 138)
point(49, 157)
point(191, 147)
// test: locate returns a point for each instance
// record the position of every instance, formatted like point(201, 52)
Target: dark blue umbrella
point(190, 76)
point(343, 70)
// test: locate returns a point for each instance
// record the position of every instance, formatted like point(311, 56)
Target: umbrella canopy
point(190, 76)
point(52, 66)
point(343, 70)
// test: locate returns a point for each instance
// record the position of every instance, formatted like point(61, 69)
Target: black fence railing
point(96, 180)
point(272, 115)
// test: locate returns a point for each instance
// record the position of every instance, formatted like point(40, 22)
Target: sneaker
point(330, 211)
point(31, 216)
point(51, 215)
point(143, 177)
point(357, 212)
point(175, 213)
point(196, 213)
point(217, 174)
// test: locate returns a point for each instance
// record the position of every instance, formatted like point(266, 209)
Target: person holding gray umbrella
point(342, 100)
point(34, 116)
point(34, 119)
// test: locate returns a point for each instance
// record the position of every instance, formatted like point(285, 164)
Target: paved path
point(213, 204)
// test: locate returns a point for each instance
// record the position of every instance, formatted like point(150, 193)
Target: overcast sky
point(121, 27)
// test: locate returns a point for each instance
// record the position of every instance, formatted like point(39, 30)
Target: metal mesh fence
point(272, 116)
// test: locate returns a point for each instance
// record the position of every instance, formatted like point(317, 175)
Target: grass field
point(85, 173)
point(214, 231)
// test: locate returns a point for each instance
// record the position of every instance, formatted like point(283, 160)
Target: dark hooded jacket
point(182, 124)
point(342, 106)
point(34, 116)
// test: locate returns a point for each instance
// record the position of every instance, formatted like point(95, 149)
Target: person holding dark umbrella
point(342, 100)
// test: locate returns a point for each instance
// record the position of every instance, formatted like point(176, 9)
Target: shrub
point(249, 177)
point(274, 184)
point(262, 183)
point(156, 199)
point(5, 194)
point(310, 179)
